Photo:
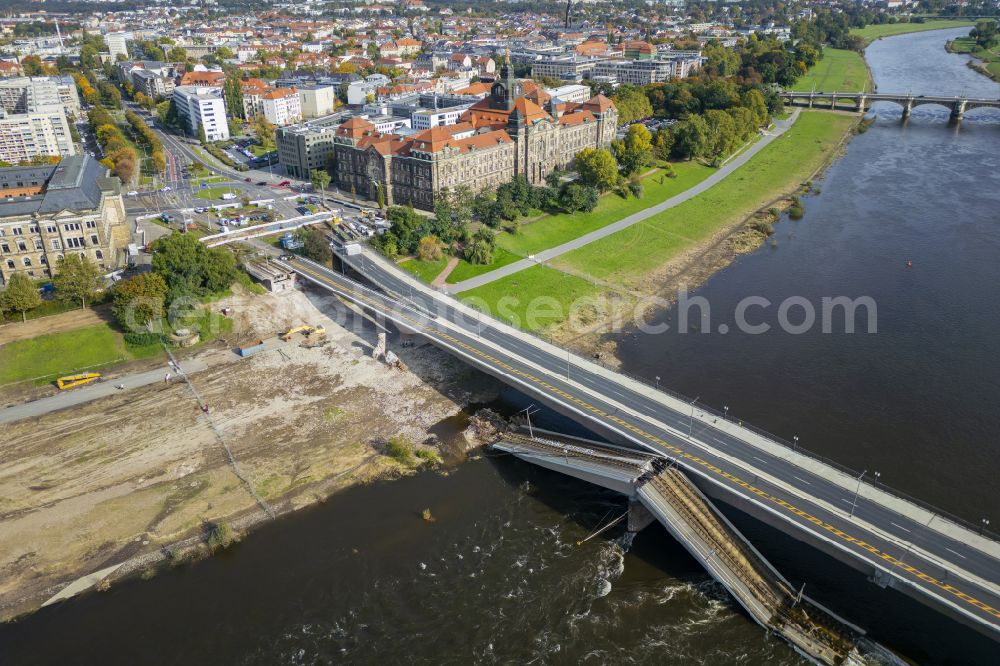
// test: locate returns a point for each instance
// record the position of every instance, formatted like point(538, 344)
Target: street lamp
point(854, 504)
point(795, 442)
point(877, 475)
point(657, 382)
point(726, 409)
point(985, 524)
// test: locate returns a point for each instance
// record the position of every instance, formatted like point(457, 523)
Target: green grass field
point(990, 58)
point(465, 270)
point(213, 192)
point(872, 32)
point(425, 271)
point(838, 71)
point(628, 257)
point(553, 230)
point(61, 353)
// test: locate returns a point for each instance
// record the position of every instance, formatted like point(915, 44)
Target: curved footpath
point(781, 126)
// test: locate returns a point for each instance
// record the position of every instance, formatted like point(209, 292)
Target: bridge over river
point(862, 101)
point(897, 541)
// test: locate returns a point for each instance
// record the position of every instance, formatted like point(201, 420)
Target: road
point(919, 550)
point(83, 394)
point(781, 126)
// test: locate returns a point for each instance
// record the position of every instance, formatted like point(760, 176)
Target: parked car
point(166, 188)
point(132, 193)
point(262, 183)
point(201, 210)
point(284, 183)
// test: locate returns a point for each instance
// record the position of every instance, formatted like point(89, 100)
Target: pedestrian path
point(781, 126)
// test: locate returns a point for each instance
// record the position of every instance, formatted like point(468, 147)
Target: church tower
point(504, 90)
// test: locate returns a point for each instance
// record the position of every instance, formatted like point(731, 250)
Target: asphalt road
point(952, 569)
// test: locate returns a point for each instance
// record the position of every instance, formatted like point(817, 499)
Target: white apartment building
point(202, 107)
point(23, 93)
point(428, 118)
point(575, 93)
point(281, 106)
point(41, 132)
point(117, 43)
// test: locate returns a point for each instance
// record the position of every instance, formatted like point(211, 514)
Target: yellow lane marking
point(676, 450)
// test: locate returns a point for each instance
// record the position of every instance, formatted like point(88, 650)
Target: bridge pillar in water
point(958, 109)
point(907, 108)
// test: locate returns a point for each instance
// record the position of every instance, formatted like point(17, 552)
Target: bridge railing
point(798, 448)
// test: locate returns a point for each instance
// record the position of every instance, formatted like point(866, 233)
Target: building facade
point(49, 211)
point(502, 136)
point(281, 106)
point(317, 100)
point(202, 108)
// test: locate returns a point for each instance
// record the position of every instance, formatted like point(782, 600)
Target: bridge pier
point(958, 109)
point(862, 103)
point(810, 101)
point(833, 103)
point(907, 108)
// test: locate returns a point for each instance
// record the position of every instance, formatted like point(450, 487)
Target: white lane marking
point(899, 526)
point(959, 554)
point(760, 459)
point(801, 479)
point(844, 499)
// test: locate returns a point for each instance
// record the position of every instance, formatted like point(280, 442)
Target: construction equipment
point(71, 381)
point(306, 330)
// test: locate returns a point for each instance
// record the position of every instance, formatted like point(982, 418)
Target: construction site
point(298, 402)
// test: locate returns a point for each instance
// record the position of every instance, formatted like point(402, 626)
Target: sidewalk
point(781, 126)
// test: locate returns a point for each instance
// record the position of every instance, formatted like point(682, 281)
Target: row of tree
point(119, 156)
point(77, 280)
point(146, 136)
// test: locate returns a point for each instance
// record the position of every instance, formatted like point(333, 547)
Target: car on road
point(166, 188)
point(262, 183)
point(132, 193)
point(201, 210)
point(286, 257)
point(246, 180)
point(284, 183)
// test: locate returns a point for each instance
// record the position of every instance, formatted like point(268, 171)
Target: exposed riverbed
point(498, 576)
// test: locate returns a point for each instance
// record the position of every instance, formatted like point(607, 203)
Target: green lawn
point(426, 271)
point(628, 256)
point(58, 354)
point(259, 150)
point(213, 192)
point(839, 71)
point(554, 230)
point(533, 299)
point(990, 58)
point(872, 32)
point(465, 270)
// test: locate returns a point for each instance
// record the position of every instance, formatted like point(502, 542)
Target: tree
point(190, 268)
point(139, 300)
point(754, 101)
point(20, 295)
point(177, 54)
point(32, 66)
point(574, 197)
point(319, 178)
point(479, 252)
point(635, 151)
point(721, 131)
point(430, 248)
point(985, 33)
point(597, 168)
point(315, 246)
point(691, 138)
point(77, 279)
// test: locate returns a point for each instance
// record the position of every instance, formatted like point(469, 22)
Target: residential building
point(302, 148)
point(202, 108)
point(24, 93)
point(428, 118)
point(117, 43)
point(636, 72)
point(33, 120)
point(49, 211)
point(575, 92)
point(150, 77)
point(281, 106)
point(570, 68)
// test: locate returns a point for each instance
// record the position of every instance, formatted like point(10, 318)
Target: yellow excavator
point(71, 381)
point(306, 330)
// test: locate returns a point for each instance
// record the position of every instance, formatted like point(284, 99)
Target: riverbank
point(586, 294)
point(870, 33)
point(984, 61)
point(143, 479)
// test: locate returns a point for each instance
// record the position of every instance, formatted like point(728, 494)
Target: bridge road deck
point(900, 543)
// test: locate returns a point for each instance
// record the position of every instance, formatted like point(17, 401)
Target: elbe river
point(499, 576)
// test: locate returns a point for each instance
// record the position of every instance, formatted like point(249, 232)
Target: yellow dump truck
point(71, 381)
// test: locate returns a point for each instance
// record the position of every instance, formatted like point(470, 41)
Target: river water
point(498, 576)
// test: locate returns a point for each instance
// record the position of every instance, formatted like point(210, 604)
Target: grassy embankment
point(548, 231)
point(839, 71)
point(872, 32)
point(631, 258)
point(990, 57)
point(46, 357)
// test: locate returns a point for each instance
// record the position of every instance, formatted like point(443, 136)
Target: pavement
point(100, 389)
point(915, 549)
point(781, 126)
